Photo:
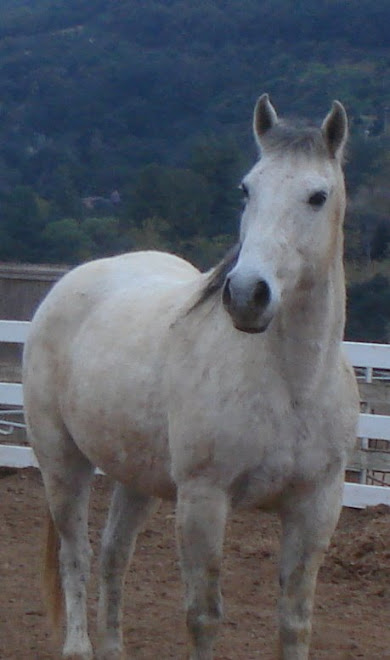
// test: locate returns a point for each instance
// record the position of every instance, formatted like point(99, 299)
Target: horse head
point(291, 226)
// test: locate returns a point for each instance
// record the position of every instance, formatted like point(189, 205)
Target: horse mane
point(216, 277)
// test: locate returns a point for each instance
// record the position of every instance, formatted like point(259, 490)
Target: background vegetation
point(126, 124)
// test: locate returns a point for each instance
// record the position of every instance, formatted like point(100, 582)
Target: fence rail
point(370, 357)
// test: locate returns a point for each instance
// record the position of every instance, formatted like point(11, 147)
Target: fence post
point(364, 442)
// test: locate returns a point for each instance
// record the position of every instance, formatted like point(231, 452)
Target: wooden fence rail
point(370, 357)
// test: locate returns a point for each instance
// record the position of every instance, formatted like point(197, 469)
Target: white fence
point(373, 358)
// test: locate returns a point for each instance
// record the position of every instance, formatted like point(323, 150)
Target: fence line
point(362, 355)
point(14, 332)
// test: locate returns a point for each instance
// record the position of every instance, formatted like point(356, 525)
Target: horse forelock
point(299, 139)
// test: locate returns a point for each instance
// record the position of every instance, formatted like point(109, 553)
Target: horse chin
point(257, 330)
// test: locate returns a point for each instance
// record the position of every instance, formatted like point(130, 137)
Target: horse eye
point(318, 198)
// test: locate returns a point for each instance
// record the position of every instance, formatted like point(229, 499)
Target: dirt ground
point(352, 616)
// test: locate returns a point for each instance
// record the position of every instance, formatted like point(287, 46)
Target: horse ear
point(335, 130)
point(264, 117)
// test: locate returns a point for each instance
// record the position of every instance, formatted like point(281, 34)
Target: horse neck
point(308, 333)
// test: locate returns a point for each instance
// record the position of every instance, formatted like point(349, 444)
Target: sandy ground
point(352, 616)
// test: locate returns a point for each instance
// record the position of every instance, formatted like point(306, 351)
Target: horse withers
point(220, 390)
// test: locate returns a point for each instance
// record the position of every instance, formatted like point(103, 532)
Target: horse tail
point(51, 576)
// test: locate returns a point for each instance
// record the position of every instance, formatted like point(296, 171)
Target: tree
point(368, 310)
point(22, 222)
point(104, 235)
point(380, 241)
point(179, 196)
point(150, 234)
point(65, 242)
point(220, 164)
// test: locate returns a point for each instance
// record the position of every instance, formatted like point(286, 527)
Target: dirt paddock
point(352, 615)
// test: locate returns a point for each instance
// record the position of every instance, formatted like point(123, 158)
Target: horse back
point(91, 285)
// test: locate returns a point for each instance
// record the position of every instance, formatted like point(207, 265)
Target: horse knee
point(75, 559)
point(199, 623)
point(294, 641)
point(295, 625)
point(204, 616)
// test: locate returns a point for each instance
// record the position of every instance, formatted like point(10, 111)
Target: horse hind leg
point(128, 512)
point(67, 476)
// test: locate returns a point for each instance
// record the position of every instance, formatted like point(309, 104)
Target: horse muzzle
point(249, 303)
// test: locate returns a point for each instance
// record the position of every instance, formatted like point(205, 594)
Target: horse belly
point(127, 442)
point(113, 408)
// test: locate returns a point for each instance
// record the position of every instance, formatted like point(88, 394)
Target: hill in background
point(127, 123)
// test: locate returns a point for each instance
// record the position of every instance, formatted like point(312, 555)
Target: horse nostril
point(226, 293)
point(261, 294)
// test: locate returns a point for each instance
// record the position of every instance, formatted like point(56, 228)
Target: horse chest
point(254, 446)
point(296, 458)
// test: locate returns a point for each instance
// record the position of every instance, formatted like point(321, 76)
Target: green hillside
point(132, 82)
point(127, 123)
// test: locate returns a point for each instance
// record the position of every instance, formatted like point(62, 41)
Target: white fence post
point(364, 442)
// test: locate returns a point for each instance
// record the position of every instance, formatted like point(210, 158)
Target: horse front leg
point(307, 527)
point(200, 524)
